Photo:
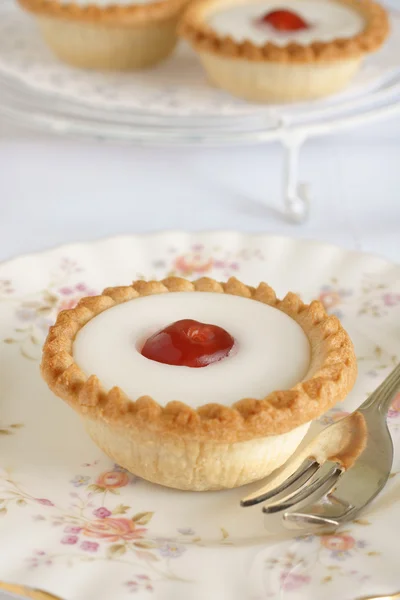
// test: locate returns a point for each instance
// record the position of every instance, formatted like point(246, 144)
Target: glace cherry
point(284, 20)
point(188, 343)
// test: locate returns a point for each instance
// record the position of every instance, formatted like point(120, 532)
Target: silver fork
point(327, 491)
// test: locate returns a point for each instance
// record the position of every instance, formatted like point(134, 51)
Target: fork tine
point(296, 481)
point(306, 519)
point(331, 513)
point(322, 485)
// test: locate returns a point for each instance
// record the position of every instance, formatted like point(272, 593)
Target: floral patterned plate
point(76, 525)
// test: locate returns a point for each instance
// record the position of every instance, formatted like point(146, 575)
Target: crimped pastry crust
point(113, 15)
point(204, 39)
point(331, 375)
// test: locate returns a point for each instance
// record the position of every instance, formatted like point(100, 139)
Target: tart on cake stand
point(173, 104)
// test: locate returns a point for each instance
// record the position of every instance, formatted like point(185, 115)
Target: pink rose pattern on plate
point(112, 480)
point(37, 312)
point(114, 529)
point(107, 531)
point(333, 297)
point(294, 569)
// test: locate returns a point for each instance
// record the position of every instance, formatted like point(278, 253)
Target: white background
point(54, 191)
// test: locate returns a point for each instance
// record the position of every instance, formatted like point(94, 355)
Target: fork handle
point(382, 397)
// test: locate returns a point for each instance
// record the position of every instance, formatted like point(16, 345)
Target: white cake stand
point(174, 105)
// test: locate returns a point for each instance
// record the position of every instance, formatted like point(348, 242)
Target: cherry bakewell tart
point(108, 34)
point(268, 50)
point(198, 386)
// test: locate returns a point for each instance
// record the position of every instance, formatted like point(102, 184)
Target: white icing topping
point(328, 19)
point(105, 3)
point(271, 351)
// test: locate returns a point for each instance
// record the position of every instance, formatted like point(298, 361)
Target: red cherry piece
point(284, 20)
point(188, 343)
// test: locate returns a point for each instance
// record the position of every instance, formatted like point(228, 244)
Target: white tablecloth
point(54, 191)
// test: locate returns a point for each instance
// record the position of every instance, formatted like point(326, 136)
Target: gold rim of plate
point(26, 592)
point(35, 594)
